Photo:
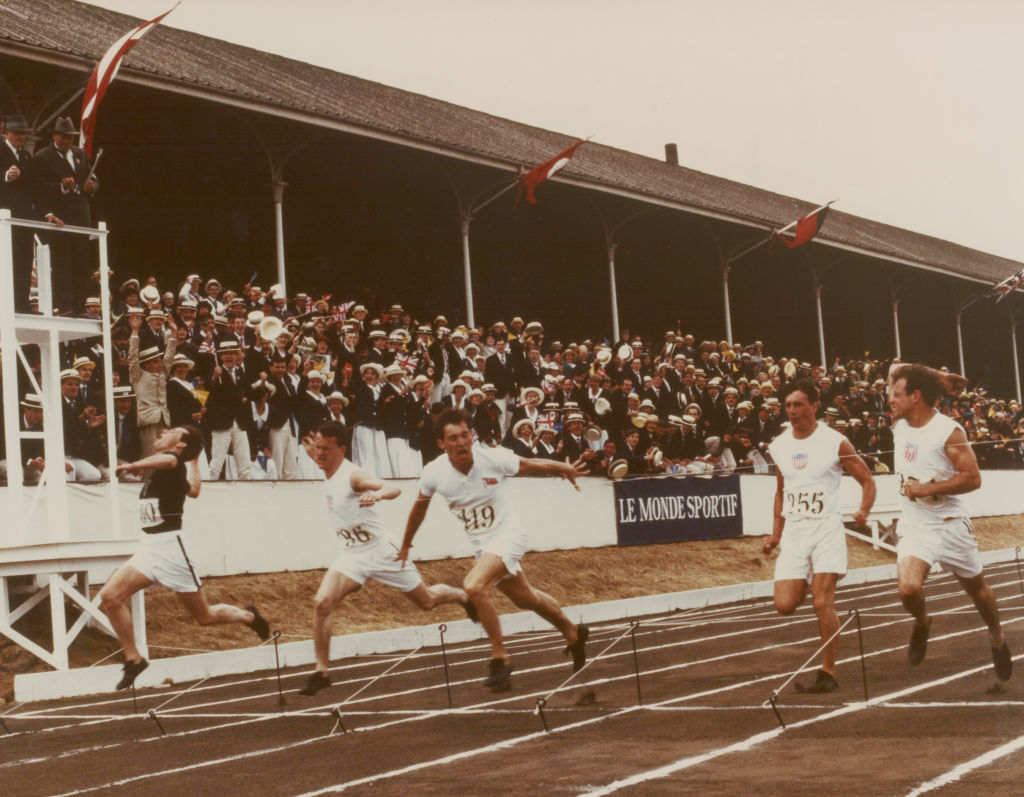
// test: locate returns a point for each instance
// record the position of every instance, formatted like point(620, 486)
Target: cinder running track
point(700, 723)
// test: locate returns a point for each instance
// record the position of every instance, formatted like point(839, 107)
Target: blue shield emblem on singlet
point(799, 461)
point(910, 452)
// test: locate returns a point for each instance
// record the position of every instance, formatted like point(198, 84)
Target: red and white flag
point(806, 228)
point(1007, 286)
point(104, 73)
point(545, 171)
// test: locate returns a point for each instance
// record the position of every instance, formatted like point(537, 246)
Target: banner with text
point(671, 510)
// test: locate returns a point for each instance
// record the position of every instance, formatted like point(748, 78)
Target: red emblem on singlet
point(799, 461)
point(489, 482)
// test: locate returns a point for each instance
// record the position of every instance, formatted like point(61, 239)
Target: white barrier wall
point(256, 527)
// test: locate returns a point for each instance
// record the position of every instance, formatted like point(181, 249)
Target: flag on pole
point(1006, 287)
point(104, 73)
point(806, 228)
point(545, 171)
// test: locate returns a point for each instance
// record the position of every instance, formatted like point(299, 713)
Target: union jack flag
point(208, 347)
point(341, 311)
point(407, 362)
point(1007, 286)
point(546, 420)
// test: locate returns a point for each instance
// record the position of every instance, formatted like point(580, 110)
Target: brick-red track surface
point(700, 726)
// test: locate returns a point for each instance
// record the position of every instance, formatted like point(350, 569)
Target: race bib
point(477, 519)
point(356, 535)
point(149, 513)
point(803, 503)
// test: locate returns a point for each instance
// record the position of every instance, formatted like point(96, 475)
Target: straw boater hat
point(618, 468)
point(534, 328)
point(572, 417)
point(337, 395)
point(271, 390)
point(419, 379)
point(371, 367)
point(83, 362)
point(70, 373)
point(603, 356)
point(254, 319)
point(393, 370)
point(123, 393)
point(181, 359)
point(527, 391)
point(602, 406)
point(227, 346)
point(32, 402)
point(520, 424)
point(151, 354)
point(317, 375)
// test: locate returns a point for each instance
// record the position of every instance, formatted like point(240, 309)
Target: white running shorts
point(164, 558)
point(950, 543)
point(377, 562)
point(811, 547)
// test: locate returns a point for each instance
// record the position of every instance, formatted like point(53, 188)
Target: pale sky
point(907, 111)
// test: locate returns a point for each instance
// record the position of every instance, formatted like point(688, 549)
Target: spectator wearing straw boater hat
point(227, 413)
point(394, 408)
point(499, 370)
point(283, 428)
point(148, 371)
point(64, 189)
point(32, 462)
point(18, 196)
point(82, 440)
point(258, 431)
point(126, 426)
point(369, 444)
point(182, 402)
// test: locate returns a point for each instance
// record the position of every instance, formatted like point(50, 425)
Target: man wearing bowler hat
point(16, 194)
point(64, 188)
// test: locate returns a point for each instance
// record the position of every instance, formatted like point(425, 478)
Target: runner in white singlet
point(471, 480)
point(367, 547)
point(936, 466)
point(810, 459)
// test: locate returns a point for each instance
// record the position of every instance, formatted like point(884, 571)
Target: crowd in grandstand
point(257, 372)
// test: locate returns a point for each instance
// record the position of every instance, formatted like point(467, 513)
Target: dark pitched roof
point(177, 58)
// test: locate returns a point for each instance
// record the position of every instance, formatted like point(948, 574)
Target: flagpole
point(485, 203)
point(775, 233)
point(1016, 358)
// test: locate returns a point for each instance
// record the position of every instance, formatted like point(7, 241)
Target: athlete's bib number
point(149, 514)
point(356, 535)
point(479, 518)
point(805, 502)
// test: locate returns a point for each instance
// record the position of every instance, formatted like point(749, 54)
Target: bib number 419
point(478, 518)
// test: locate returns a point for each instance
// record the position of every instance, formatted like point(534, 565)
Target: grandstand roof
point(76, 35)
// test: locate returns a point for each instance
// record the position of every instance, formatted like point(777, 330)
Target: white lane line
point(760, 738)
point(969, 766)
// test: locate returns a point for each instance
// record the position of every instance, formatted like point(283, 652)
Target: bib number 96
point(356, 535)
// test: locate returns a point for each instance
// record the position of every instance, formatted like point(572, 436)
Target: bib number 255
point(805, 502)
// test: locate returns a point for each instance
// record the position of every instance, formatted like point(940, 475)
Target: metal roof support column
point(1016, 357)
point(611, 287)
point(821, 323)
point(725, 301)
point(279, 186)
point(467, 271)
point(894, 295)
point(960, 339)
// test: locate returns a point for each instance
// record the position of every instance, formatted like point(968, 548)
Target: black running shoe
point(919, 643)
point(258, 624)
point(1003, 663)
point(823, 683)
point(499, 672)
point(131, 672)
point(314, 684)
point(578, 649)
point(470, 608)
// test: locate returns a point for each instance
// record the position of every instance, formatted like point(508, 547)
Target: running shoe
point(919, 642)
point(823, 683)
point(1003, 663)
point(499, 672)
point(314, 684)
point(131, 672)
point(470, 608)
point(578, 649)
point(258, 624)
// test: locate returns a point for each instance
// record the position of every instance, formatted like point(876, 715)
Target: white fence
point(256, 527)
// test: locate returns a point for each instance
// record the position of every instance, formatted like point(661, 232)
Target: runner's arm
point(162, 461)
point(550, 467)
point(195, 481)
point(779, 521)
point(967, 477)
point(855, 466)
point(372, 489)
point(412, 525)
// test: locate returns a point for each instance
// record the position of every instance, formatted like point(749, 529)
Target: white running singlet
point(477, 499)
point(357, 527)
point(920, 454)
point(811, 472)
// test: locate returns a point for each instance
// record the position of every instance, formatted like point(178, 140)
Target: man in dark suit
point(499, 371)
point(530, 372)
point(228, 413)
point(126, 425)
point(17, 195)
point(63, 190)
